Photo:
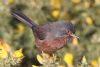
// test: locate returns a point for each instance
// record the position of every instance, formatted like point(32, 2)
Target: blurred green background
point(84, 14)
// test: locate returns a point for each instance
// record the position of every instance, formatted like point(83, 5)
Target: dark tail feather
point(36, 29)
point(20, 16)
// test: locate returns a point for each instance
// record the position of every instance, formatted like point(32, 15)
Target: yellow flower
point(68, 58)
point(45, 58)
point(55, 13)
point(56, 4)
point(84, 61)
point(34, 66)
point(86, 4)
point(18, 54)
point(11, 2)
point(4, 49)
point(20, 28)
point(5, 46)
point(76, 1)
point(89, 20)
point(3, 53)
point(94, 63)
point(99, 60)
point(75, 41)
point(40, 59)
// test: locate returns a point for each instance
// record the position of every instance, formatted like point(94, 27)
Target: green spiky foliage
point(19, 35)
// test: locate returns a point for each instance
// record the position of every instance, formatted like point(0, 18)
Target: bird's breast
point(51, 45)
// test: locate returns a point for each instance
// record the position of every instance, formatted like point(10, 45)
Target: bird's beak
point(75, 36)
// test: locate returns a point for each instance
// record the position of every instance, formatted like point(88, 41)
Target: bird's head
point(70, 30)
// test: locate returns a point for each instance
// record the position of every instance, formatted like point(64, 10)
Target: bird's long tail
point(20, 16)
point(38, 31)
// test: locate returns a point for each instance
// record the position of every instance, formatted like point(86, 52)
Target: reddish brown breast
point(51, 45)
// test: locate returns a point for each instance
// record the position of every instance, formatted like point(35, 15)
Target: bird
point(51, 36)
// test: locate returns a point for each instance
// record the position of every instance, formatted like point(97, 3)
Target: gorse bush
point(9, 58)
point(84, 14)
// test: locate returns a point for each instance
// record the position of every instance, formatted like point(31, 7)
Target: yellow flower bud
point(68, 58)
point(75, 41)
point(55, 13)
point(89, 20)
point(94, 63)
point(18, 54)
point(84, 61)
point(20, 28)
point(40, 59)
